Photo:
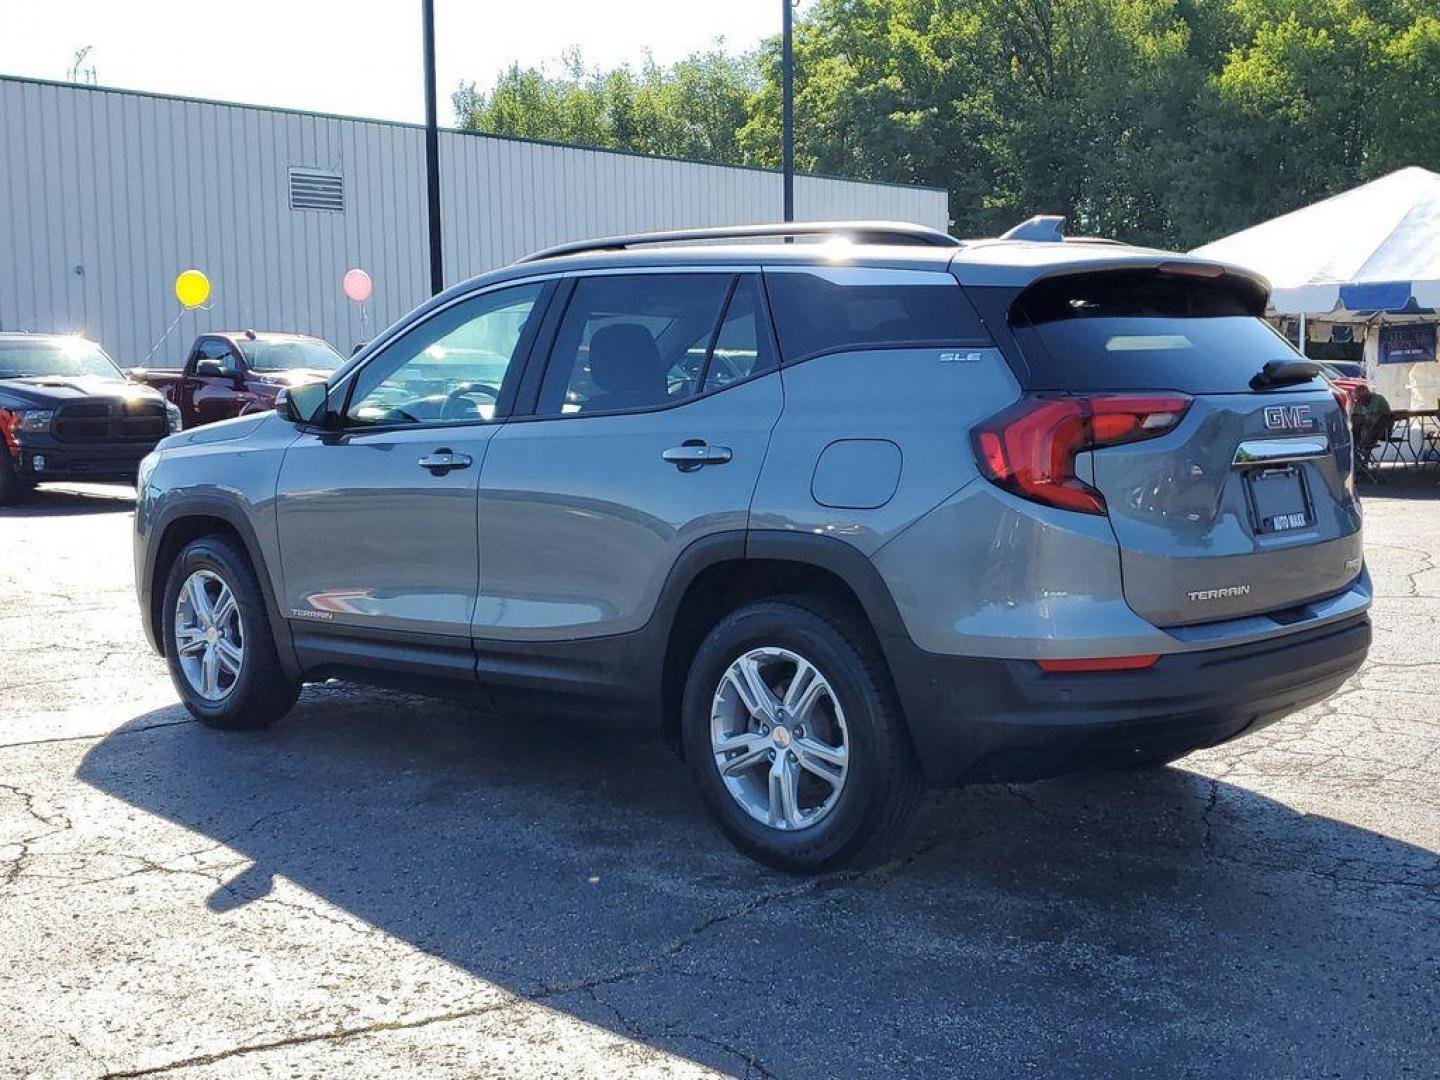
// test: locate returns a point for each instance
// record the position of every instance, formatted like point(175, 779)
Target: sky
point(359, 58)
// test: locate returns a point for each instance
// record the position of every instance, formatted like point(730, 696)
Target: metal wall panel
point(106, 195)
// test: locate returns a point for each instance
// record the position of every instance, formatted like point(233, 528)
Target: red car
point(234, 373)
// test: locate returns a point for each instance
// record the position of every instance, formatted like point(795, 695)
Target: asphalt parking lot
point(387, 885)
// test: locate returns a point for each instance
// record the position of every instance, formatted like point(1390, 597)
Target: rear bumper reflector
point(1100, 663)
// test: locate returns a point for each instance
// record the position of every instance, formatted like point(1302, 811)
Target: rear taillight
point(1030, 448)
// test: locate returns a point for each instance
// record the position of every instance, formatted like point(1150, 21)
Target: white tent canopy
point(1374, 248)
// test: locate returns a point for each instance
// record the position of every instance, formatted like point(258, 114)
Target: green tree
point(1168, 122)
point(889, 90)
point(693, 109)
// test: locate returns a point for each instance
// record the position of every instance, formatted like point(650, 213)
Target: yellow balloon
point(192, 288)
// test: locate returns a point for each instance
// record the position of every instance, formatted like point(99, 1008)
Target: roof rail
point(862, 232)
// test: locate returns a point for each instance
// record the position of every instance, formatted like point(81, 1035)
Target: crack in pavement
point(101, 735)
point(549, 991)
point(1210, 804)
point(333, 1035)
point(55, 822)
point(753, 1065)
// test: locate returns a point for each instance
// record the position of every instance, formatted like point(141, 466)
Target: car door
point(648, 432)
point(377, 518)
point(184, 392)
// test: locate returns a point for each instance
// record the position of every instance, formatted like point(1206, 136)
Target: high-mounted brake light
point(1030, 448)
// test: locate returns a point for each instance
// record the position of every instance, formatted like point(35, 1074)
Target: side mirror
point(303, 404)
point(210, 368)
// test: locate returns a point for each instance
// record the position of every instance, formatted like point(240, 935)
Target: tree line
point(1166, 122)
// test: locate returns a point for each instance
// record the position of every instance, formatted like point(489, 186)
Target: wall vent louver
point(316, 189)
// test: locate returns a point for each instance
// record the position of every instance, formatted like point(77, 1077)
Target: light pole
point(432, 151)
point(787, 109)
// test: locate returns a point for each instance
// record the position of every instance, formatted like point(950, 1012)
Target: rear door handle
point(694, 454)
point(443, 460)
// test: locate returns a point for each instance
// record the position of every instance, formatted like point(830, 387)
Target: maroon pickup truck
point(234, 373)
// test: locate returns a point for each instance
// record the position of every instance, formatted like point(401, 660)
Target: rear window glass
point(825, 310)
point(1142, 330)
point(263, 355)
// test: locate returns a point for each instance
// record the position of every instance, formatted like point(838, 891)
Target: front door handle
point(443, 460)
point(695, 454)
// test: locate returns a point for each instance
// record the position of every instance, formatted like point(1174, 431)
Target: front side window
point(633, 341)
point(450, 368)
point(219, 350)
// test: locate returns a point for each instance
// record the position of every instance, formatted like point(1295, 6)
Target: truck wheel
point(12, 488)
point(218, 642)
point(794, 737)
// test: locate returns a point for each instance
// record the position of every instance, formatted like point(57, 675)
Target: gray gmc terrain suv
point(841, 518)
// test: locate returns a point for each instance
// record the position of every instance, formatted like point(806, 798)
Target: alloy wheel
point(209, 636)
point(779, 739)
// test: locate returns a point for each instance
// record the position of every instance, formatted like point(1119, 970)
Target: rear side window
point(633, 341)
point(742, 347)
point(1144, 330)
point(826, 309)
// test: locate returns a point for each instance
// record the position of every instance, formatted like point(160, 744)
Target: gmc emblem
point(1288, 417)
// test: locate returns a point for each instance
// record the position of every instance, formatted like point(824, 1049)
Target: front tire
point(218, 642)
point(794, 737)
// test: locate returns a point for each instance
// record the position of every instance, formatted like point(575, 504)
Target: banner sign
point(1409, 344)
point(1376, 296)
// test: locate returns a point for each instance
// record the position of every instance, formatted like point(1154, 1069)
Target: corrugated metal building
point(106, 195)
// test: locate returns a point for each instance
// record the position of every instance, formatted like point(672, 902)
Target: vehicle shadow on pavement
point(1154, 922)
point(61, 502)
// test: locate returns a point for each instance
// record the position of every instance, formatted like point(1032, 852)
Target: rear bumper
point(79, 461)
point(981, 720)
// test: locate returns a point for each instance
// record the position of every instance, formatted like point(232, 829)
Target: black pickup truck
point(67, 412)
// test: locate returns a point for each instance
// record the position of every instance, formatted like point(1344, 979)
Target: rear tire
point(810, 823)
point(225, 667)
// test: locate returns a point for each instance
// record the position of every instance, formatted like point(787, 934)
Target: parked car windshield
point(63, 357)
point(290, 356)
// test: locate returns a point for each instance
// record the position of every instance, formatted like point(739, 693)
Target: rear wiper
point(1281, 372)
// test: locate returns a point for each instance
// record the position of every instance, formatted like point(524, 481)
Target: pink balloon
point(357, 285)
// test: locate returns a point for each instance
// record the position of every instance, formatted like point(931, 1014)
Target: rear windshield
point(1144, 330)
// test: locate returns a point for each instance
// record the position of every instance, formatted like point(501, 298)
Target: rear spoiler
point(1251, 290)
